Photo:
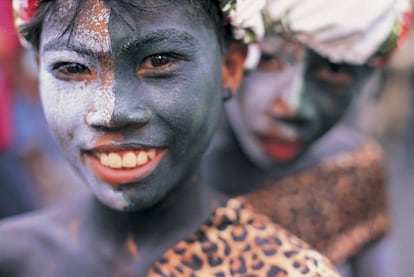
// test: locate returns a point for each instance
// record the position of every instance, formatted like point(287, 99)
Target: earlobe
point(233, 66)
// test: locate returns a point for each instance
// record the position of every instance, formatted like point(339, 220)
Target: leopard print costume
point(235, 241)
point(338, 206)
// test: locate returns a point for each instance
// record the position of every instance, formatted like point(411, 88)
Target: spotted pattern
point(338, 206)
point(238, 242)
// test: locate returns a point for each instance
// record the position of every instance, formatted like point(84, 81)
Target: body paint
point(126, 105)
point(291, 100)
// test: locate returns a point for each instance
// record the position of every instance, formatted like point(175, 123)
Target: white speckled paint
point(85, 104)
point(93, 34)
point(176, 110)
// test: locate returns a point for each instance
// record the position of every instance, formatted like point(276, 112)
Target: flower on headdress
point(23, 12)
point(245, 17)
point(325, 27)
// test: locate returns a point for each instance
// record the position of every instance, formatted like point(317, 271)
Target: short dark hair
point(33, 29)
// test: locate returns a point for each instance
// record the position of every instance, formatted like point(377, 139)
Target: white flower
point(245, 17)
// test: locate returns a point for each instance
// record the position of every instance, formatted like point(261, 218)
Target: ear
point(233, 66)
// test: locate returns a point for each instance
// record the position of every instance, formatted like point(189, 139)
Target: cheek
point(196, 114)
point(257, 94)
point(332, 104)
point(66, 106)
point(60, 102)
point(206, 93)
point(210, 95)
point(205, 104)
point(193, 103)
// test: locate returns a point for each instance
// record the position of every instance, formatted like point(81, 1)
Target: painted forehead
point(283, 49)
point(93, 26)
point(89, 29)
point(96, 23)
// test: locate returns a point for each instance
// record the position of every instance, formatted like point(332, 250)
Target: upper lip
point(275, 132)
point(114, 147)
point(302, 127)
point(296, 121)
point(279, 140)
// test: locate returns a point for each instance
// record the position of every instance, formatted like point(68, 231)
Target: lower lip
point(124, 176)
point(282, 151)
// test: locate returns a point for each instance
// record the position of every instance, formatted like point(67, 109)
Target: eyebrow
point(58, 44)
point(162, 38)
point(165, 37)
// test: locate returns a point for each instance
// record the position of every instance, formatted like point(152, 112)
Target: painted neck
point(174, 218)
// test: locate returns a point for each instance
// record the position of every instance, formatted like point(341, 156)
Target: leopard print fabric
point(338, 206)
point(237, 242)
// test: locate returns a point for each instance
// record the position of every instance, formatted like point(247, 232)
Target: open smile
point(122, 166)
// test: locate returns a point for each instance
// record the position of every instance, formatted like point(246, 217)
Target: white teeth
point(151, 154)
point(142, 158)
point(104, 159)
point(129, 160)
point(115, 160)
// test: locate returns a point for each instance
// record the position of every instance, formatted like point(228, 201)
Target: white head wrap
point(348, 31)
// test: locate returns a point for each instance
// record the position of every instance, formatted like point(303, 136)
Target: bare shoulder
point(29, 240)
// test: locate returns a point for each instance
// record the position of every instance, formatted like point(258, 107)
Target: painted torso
point(334, 197)
point(234, 240)
point(57, 243)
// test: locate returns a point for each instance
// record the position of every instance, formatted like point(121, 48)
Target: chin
point(130, 197)
point(281, 163)
point(112, 199)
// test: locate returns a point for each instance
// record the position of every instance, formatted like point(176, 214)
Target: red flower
point(405, 28)
point(26, 9)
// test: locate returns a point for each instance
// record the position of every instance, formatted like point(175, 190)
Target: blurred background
point(385, 112)
point(33, 174)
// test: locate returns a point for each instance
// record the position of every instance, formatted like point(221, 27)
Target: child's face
point(290, 101)
point(132, 99)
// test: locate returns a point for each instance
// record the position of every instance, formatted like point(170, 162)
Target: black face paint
point(290, 102)
point(154, 84)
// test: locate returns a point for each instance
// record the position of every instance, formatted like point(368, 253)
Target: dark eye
point(159, 60)
point(155, 61)
point(333, 74)
point(159, 65)
point(71, 71)
point(270, 62)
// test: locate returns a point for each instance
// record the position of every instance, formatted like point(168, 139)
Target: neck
point(154, 230)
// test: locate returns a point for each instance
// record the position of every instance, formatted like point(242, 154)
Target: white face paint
point(291, 100)
point(165, 71)
point(79, 105)
point(252, 114)
point(93, 34)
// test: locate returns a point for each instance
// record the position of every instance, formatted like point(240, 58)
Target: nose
point(123, 107)
point(119, 118)
point(288, 94)
point(132, 115)
point(296, 107)
point(289, 112)
point(281, 108)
